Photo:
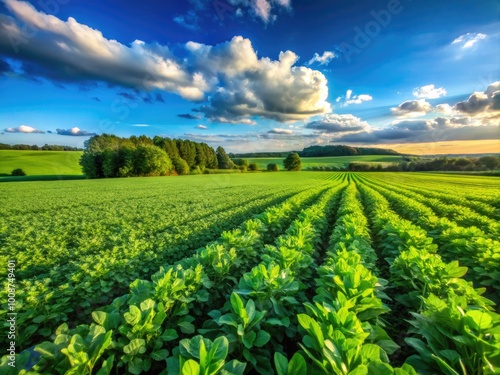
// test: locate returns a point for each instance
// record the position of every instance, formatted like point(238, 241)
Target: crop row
point(48, 300)
point(453, 328)
point(131, 324)
point(458, 213)
point(301, 284)
point(473, 188)
point(472, 246)
point(446, 194)
point(262, 316)
point(344, 333)
point(70, 292)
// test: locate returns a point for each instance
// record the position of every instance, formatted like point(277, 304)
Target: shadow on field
point(49, 177)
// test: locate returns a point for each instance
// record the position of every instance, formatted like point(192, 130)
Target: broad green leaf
point(190, 347)
point(478, 320)
point(360, 370)
point(451, 355)
point(190, 367)
point(100, 345)
point(160, 355)
point(147, 305)
point(135, 347)
point(186, 327)
point(220, 348)
point(250, 310)
point(388, 346)
point(445, 367)
point(418, 345)
point(133, 316)
point(233, 367)
point(274, 322)
point(236, 303)
point(248, 339)
point(99, 317)
point(203, 356)
point(281, 363)
point(297, 365)
point(169, 335)
point(227, 319)
point(380, 368)
point(262, 339)
point(47, 349)
point(371, 352)
point(107, 366)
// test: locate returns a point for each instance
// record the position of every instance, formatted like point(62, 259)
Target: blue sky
point(252, 75)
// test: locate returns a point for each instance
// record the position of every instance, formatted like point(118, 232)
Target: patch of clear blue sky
point(412, 50)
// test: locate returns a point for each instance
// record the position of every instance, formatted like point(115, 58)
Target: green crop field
point(40, 162)
point(268, 273)
point(337, 161)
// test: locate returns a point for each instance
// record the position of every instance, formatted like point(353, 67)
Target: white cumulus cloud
point(260, 87)
point(444, 108)
point(77, 132)
point(68, 50)
point(429, 92)
point(481, 103)
point(412, 108)
point(335, 123)
point(234, 82)
point(23, 129)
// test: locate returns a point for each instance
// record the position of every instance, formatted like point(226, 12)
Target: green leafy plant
point(200, 356)
point(457, 340)
point(245, 333)
point(296, 366)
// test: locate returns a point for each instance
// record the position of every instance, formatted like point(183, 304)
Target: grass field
point(257, 266)
point(36, 163)
point(64, 164)
point(338, 161)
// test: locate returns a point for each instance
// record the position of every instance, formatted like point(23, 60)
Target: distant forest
point(46, 147)
point(107, 155)
point(340, 150)
point(319, 151)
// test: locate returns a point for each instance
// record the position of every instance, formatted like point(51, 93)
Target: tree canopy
point(292, 162)
point(273, 167)
point(341, 150)
point(111, 156)
point(223, 159)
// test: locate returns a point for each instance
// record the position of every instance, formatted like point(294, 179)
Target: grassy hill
point(338, 161)
point(36, 163)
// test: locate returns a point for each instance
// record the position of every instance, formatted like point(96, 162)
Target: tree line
point(445, 164)
point(254, 155)
point(108, 155)
point(319, 151)
point(112, 156)
point(45, 147)
point(341, 150)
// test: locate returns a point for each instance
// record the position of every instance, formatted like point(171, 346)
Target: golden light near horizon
point(488, 146)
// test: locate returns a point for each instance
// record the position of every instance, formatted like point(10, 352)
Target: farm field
point(289, 273)
point(338, 161)
point(65, 163)
point(40, 162)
